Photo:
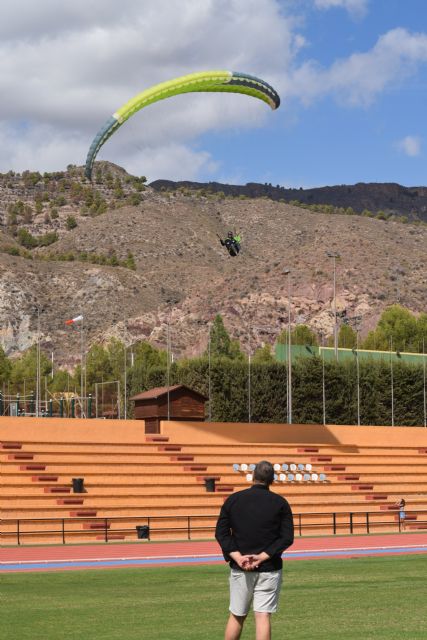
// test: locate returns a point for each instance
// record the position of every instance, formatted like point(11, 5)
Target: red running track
point(344, 546)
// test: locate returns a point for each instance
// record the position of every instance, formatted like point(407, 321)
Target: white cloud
point(359, 79)
point(65, 67)
point(356, 8)
point(410, 146)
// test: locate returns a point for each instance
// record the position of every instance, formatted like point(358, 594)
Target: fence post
point(299, 525)
point(50, 408)
point(149, 527)
point(367, 522)
point(106, 529)
point(189, 527)
point(351, 522)
point(61, 407)
point(18, 532)
point(63, 530)
point(334, 520)
point(73, 407)
point(89, 406)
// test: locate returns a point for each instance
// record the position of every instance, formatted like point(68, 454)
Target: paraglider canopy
point(214, 81)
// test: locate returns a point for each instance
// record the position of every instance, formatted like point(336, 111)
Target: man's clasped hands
point(249, 562)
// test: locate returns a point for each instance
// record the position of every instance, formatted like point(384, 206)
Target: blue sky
point(352, 75)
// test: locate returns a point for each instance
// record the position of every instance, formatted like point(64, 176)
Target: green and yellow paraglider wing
point(225, 81)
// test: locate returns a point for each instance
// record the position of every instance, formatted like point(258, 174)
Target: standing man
point(254, 527)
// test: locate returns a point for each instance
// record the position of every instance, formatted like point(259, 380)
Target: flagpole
point(82, 393)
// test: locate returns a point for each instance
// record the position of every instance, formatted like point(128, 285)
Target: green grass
point(363, 599)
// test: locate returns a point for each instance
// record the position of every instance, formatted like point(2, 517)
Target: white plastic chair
point(282, 477)
point(236, 467)
point(249, 477)
point(285, 466)
point(252, 466)
point(314, 477)
point(298, 477)
point(293, 467)
point(291, 477)
point(308, 466)
point(322, 477)
point(300, 467)
point(306, 477)
point(276, 467)
point(243, 467)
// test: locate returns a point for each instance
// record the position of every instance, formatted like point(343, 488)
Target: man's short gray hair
point(264, 472)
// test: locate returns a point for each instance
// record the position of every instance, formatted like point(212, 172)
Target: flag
point(74, 320)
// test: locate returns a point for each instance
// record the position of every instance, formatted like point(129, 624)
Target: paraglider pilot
point(232, 243)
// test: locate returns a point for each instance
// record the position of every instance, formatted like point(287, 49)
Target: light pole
point(392, 382)
point(209, 373)
point(334, 256)
point(424, 385)
point(287, 272)
point(323, 379)
point(38, 364)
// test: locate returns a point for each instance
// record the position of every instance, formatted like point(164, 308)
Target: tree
point(347, 337)
point(221, 345)
point(25, 368)
point(5, 366)
point(263, 355)
point(301, 334)
point(398, 328)
point(71, 222)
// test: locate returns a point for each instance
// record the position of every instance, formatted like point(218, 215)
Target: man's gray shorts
point(261, 587)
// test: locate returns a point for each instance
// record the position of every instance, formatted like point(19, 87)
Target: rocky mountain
point(132, 259)
point(389, 198)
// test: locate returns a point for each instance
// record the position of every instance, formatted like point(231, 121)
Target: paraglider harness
point(231, 243)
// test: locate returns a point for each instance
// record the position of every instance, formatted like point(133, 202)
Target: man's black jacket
point(255, 520)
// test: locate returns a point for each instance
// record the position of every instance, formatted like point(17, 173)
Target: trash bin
point(78, 485)
point(143, 532)
point(210, 485)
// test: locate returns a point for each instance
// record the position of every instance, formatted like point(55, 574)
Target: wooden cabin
point(177, 402)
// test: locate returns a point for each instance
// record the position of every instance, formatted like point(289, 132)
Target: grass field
point(363, 599)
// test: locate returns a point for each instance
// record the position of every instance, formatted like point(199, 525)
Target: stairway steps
point(112, 536)
point(376, 496)
point(308, 450)
point(44, 478)
point(321, 459)
point(335, 467)
point(362, 487)
point(409, 516)
point(348, 477)
point(389, 507)
point(225, 488)
point(156, 439)
point(93, 526)
point(32, 467)
point(181, 458)
point(21, 456)
point(203, 478)
point(57, 489)
point(196, 467)
point(90, 513)
point(169, 447)
point(70, 501)
point(11, 445)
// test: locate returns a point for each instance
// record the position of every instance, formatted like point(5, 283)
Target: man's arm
point(286, 534)
point(223, 533)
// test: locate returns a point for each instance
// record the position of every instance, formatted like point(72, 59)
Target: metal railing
point(203, 525)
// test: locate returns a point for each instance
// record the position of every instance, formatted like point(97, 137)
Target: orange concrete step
point(21, 456)
point(308, 450)
point(44, 478)
point(11, 445)
point(203, 478)
point(181, 458)
point(224, 488)
point(70, 501)
point(389, 507)
point(89, 513)
point(409, 516)
point(57, 489)
point(362, 487)
point(112, 536)
point(169, 447)
point(423, 450)
point(348, 477)
point(196, 467)
point(156, 439)
point(321, 459)
point(376, 496)
point(95, 525)
point(32, 467)
point(335, 467)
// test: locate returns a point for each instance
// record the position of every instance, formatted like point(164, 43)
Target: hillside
point(389, 198)
point(176, 269)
